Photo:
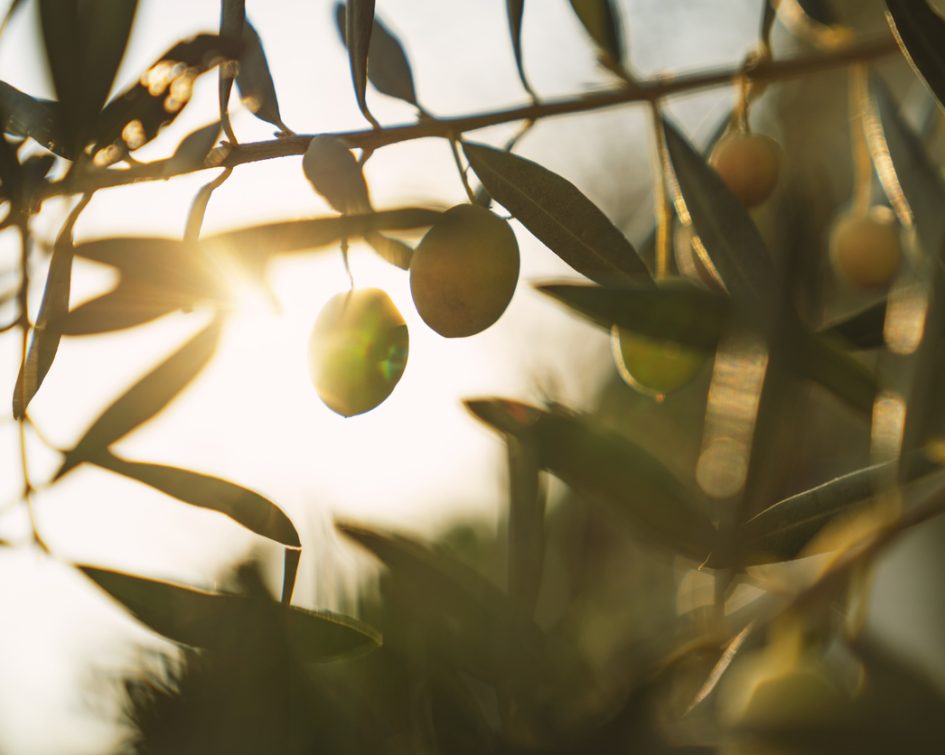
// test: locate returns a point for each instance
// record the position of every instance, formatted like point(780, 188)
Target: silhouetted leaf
point(526, 522)
point(197, 618)
point(134, 117)
point(863, 329)
point(28, 116)
point(911, 180)
point(255, 81)
point(290, 571)
point(602, 21)
point(126, 306)
point(193, 149)
point(246, 507)
point(232, 20)
point(687, 315)
point(394, 251)
point(514, 9)
point(147, 397)
point(488, 635)
point(819, 11)
point(612, 469)
point(84, 43)
point(768, 15)
point(11, 178)
point(558, 214)
point(723, 225)
point(334, 173)
point(920, 32)
point(359, 24)
point(388, 68)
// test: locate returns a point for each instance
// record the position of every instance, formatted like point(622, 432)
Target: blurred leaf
point(557, 214)
point(909, 177)
point(863, 329)
point(484, 629)
point(819, 11)
point(193, 149)
point(255, 81)
point(602, 21)
point(55, 303)
point(11, 178)
point(819, 358)
point(14, 6)
point(197, 618)
point(359, 24)
point(526, 522)
point(335, 174)
point(394, 251)
point(146, 398)
point(246, 507)
point(514, 9)
point(610, 468)
point(687, 315)
point(232, 20)
point(920, 32)
point(85, 43)
point(768, 15)
point(504, 415)
point(28, 116)
point(290, 571)
point(134, 117)
point(723, 226)
point(388, 68)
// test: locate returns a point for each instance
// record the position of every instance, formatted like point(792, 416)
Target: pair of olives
point(462, 277)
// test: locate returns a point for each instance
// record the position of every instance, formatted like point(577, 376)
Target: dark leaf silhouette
point(515, 9)
point(232, 20)
point(28, 116)
point(558, 214)
point(394, 251)
point(255, 81)
point(248, 508)
point(388, 68)
point(920, 32)
point(194, 617)
point(863, 329)
point(335, 173)
point(601, 20)
point(193, 149)
point(134, 117)
point(359, 25)
point(526, 522)
point(146, 398)
point(723, 226)
point(84, 42)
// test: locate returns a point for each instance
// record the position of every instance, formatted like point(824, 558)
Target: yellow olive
point(464, 271)
point(358, 350)
point(749, 165)
point(864, 248)
point(652, 365)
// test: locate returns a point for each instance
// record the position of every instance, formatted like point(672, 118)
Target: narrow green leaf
point(723, 225)
point(200, 619)
point(359, 24)
point(193, 149)
point(601, 20)
point(147, 397)
point(244, 506)
point(687, 315)
point(526, 522)
point(463, 612)
point(255, 81)
point(557, 214)
point(134, 117)
point(388, 68)
point(920, 32)
point(863, 329)
point(23, 115)
point(821, 359)
point(515, 9)
point(394, 251)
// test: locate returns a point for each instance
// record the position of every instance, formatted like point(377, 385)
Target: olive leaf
point(244, 506)
point(359, 25)
point(394, 251)
point(723, 226)
point(23, 115)
point(526, 522)
point(335, 173)
point(920, 32)
point(861, 330)
point(601, 20)
point(146, 398)
point(193, 149)
point(254, 80)
point(84, 43)
point(514, 10)
point(557, 214)
point(232, 20)
point(613, 470)
point(388, 68)
point(129, 304)
point(200, 619)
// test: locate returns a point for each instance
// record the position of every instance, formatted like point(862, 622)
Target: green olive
point(464, 272)
point(358, 350)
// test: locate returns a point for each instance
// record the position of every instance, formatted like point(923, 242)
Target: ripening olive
point(464, 271)
point(749, 165)
point(864, 248)
point(358, 350)
point(654, 366)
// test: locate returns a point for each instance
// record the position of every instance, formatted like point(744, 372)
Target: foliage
point(525, 641)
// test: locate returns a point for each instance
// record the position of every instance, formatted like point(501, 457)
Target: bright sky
point(418, 461)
